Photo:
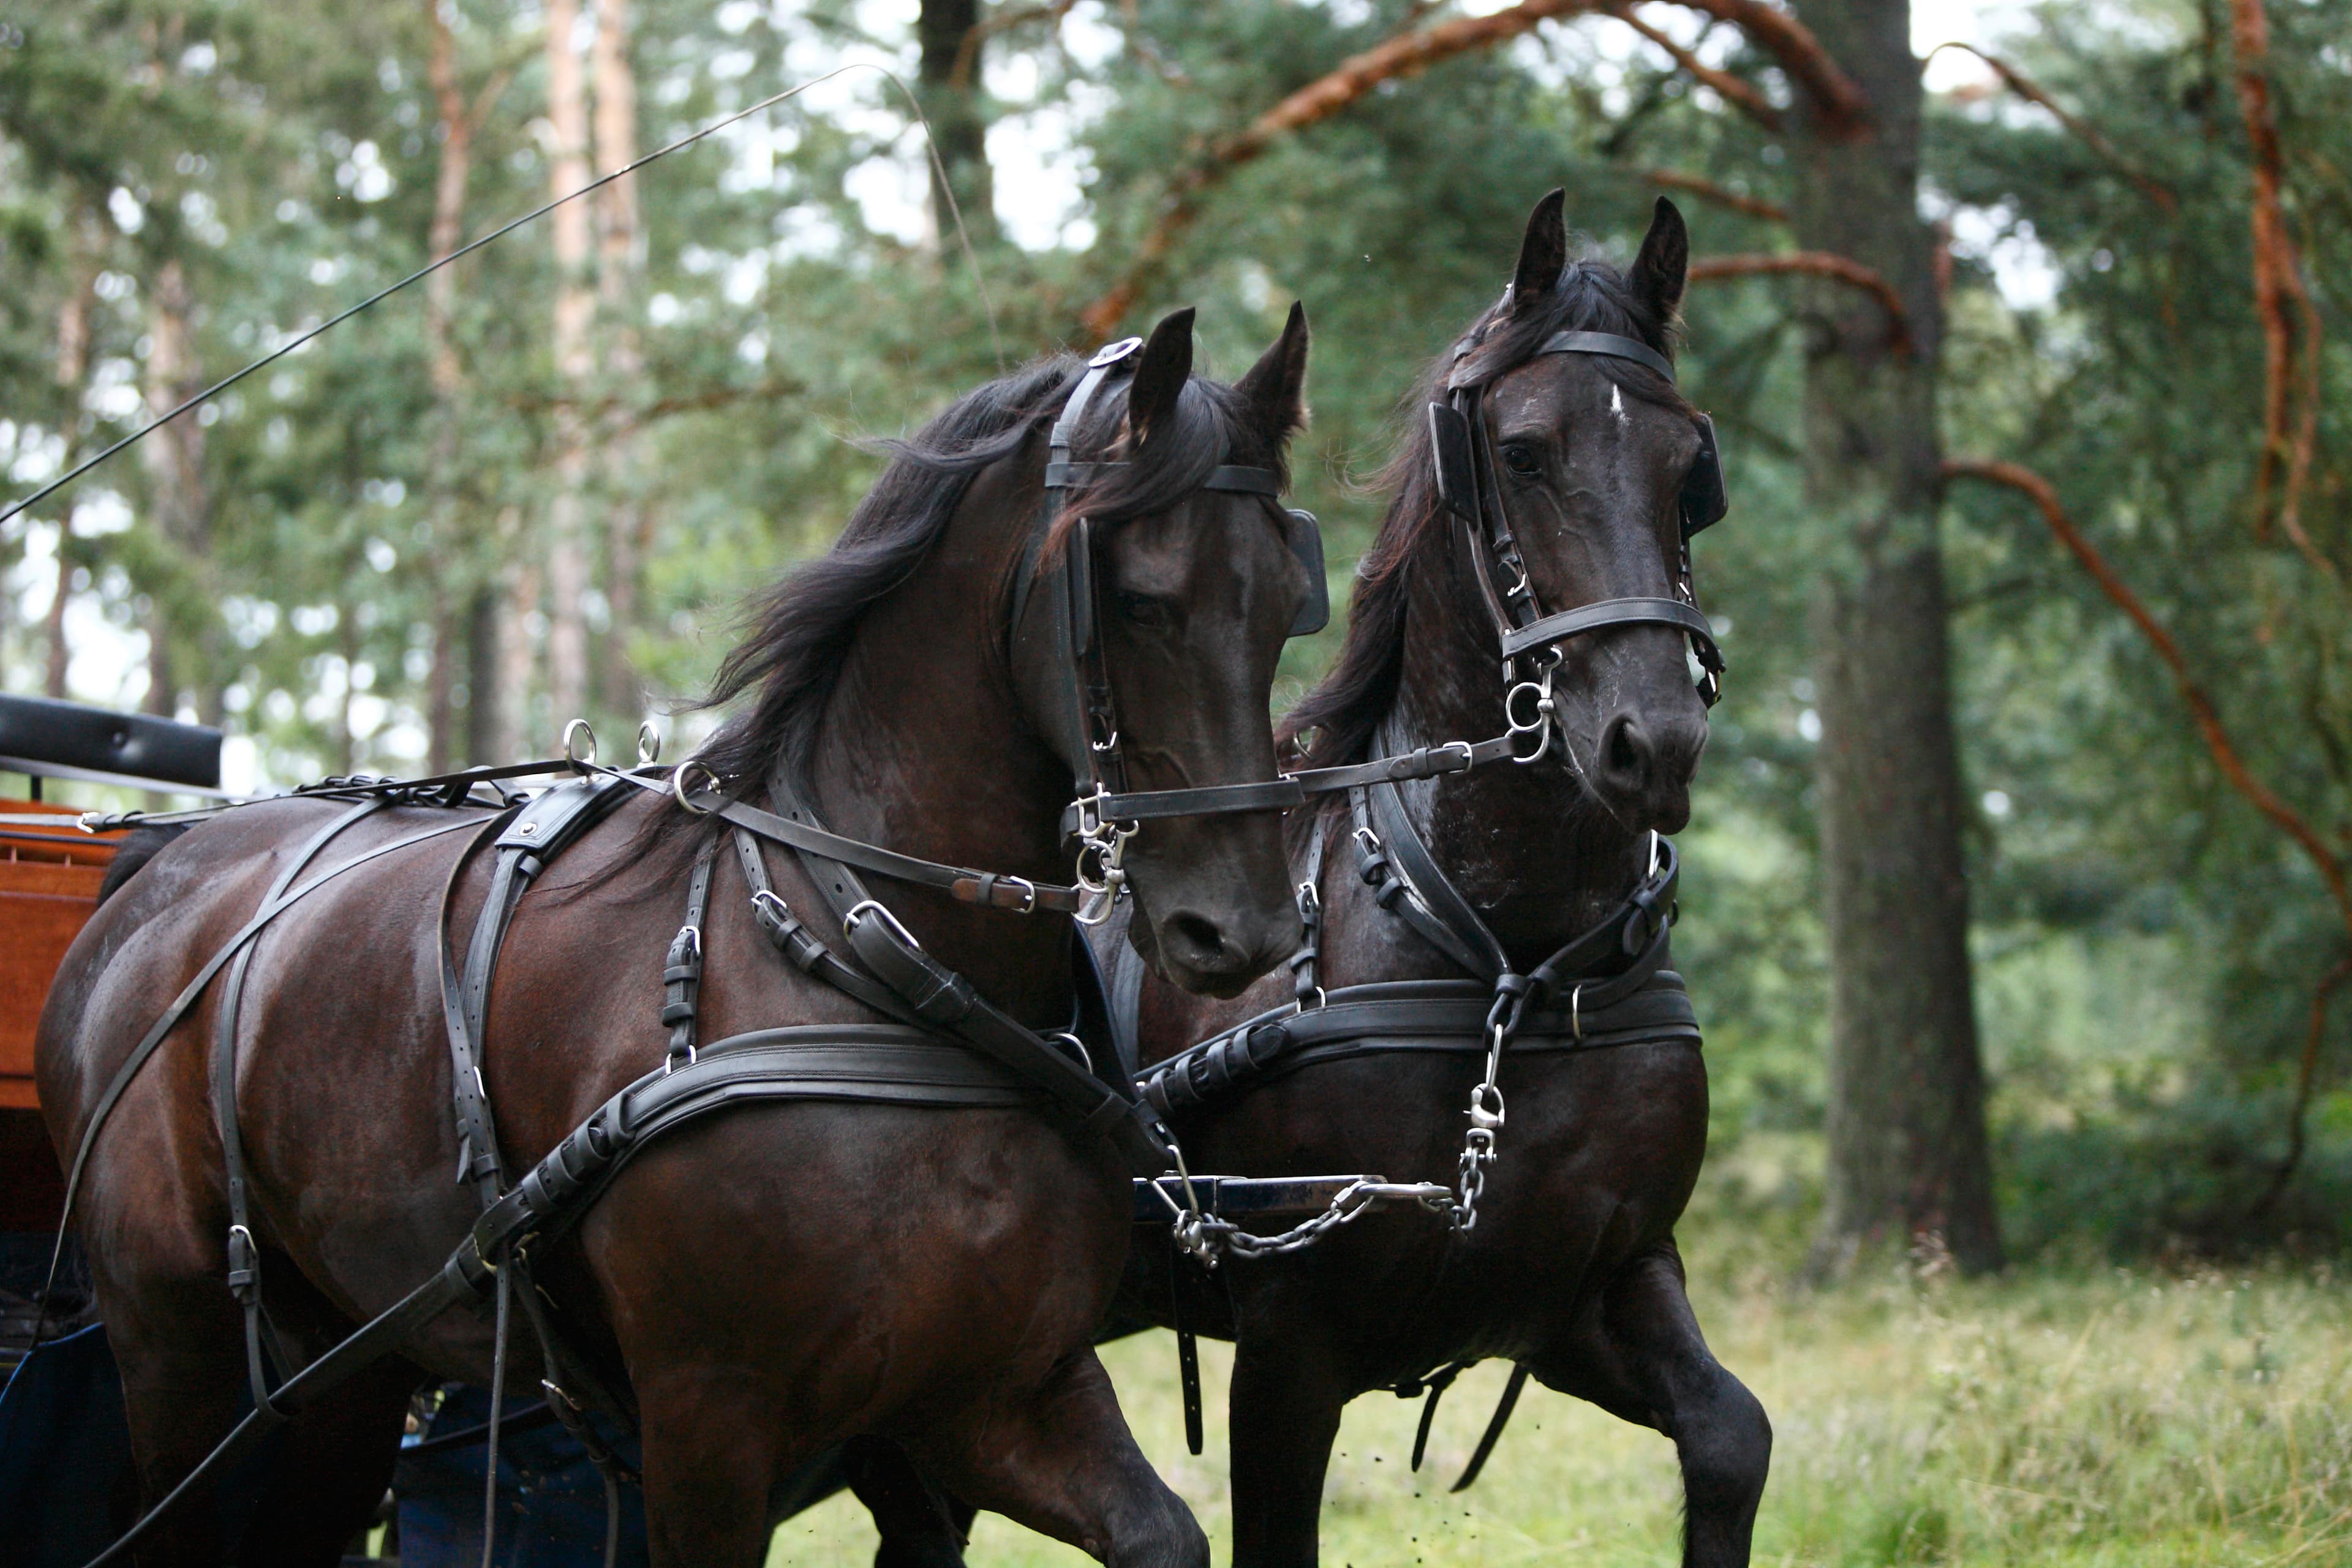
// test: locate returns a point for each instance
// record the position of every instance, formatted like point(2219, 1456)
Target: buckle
point(849, 922)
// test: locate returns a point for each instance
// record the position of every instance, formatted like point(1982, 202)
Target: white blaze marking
point(1617, 404)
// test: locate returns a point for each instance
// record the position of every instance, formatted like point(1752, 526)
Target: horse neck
point(923, 748)
point(1528, 846)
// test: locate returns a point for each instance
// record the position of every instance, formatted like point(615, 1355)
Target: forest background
point(539, 484)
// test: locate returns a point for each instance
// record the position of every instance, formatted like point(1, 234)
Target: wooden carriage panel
point(48, 885)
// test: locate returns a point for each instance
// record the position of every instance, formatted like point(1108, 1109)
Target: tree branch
point(2201, 706)
point(1734, 89)
point(1843, 110)
point(2277, 282)
point(2026, 88)
point(1409, 53)
point(1722, 196)
point(2306, 1074)
point(1817, 264)
point(960, 75)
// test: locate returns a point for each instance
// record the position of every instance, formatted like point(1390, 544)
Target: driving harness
point(944, 1045)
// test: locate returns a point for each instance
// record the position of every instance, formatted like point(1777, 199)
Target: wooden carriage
point(49, 877)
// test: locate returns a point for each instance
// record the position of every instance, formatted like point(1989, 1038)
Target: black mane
point(1334, 723)
point(800, 629)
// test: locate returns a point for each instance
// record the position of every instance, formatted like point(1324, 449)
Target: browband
point(1609, 344)
point(1065, 476)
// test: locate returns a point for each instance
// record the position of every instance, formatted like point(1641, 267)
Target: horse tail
point(137, 848)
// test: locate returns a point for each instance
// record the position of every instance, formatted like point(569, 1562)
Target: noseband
point(1472, 491)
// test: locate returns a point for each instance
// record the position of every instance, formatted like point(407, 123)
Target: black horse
point(779, 1277)
point(1594, 468)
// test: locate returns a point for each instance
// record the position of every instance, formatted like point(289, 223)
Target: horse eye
point(1143, 610)
point(1522, 459)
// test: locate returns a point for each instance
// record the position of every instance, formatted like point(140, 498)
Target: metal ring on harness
point(649, 744)
point(574, 758)
point(677, 785)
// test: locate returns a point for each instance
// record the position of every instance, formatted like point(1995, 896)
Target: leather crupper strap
point(1470, 487)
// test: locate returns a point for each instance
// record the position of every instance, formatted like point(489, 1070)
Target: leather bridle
point(1105, 814)
point(1528, 639)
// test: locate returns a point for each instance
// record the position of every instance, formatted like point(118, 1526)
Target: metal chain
point(1485, 1113)
point(1207, 1237)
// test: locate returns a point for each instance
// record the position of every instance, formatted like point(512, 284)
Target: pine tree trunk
point(179, 505)
point(514, 654)
point(1907, 1156)
point(72, 366)
point(575, 369)
point(951, 102)
point(446, 376)
point(485, 745)
point(620, 269)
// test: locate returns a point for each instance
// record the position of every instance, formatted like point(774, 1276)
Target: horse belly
point(862, 1264)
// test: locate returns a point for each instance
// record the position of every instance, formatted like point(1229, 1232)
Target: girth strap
point(872, 1064)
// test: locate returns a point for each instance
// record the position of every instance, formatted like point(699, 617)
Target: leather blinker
point(1304, 537)
point(1449, 442)
point(1705, 496)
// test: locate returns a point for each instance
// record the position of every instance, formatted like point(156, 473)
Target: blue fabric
point(551, 1498)
point(68, 1485)
point(65, 1480)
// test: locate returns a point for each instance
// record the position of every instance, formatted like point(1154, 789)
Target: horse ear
point(1663, 265)
point(1543, 253)
point(1276, 385)
point(1160, 373)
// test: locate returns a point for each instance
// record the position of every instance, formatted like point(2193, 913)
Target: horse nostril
point(1625, 750)
point(1198, 940)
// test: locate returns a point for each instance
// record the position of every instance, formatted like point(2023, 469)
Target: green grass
point(2086, 1416)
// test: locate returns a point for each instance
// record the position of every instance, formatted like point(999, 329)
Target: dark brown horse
point(770, 1280)
point(1571, 1269)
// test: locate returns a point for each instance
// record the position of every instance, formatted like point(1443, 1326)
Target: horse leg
point(712, 1454)
point(1641, 1357)
point(332, 1468)
point(176, 1341)
point(1057, 1457)
point(920, 1524)
point(1286, 1402)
